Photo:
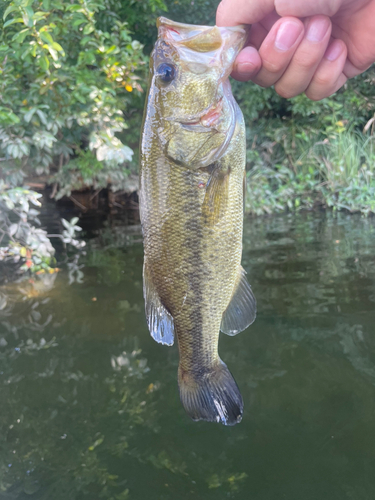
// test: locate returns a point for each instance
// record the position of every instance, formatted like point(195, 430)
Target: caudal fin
point(212, 395)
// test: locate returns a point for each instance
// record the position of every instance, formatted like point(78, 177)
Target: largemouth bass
point(191, 201)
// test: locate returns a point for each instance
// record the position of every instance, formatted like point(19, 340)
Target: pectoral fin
point(216, 198)
point(159, 320)
point(241, 310)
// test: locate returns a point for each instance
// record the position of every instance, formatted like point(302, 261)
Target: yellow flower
point(129, 88)
point(24, 102)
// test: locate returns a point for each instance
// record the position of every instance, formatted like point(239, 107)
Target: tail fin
point(212, 396)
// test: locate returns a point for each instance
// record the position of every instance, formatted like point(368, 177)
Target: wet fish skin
point(191, 201)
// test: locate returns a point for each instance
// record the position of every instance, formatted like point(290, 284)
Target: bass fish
point(191, 205)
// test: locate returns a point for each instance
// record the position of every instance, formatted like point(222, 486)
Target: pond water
point(89, 404)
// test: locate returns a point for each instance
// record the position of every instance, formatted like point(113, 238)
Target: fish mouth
point(207, 120)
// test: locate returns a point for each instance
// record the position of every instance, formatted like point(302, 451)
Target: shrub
point(64, 84)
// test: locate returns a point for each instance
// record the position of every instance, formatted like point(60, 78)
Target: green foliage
point(338, 172)
point(86, 170)
point(64, 83)
point(302, 153)
point(71, 76)
point(21, 242)
point(140, 16)
point(192, 11)
point(23, 245)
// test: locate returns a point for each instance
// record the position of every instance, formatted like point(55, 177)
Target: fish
point(192, 172)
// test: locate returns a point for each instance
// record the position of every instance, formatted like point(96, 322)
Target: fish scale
point(191, 200)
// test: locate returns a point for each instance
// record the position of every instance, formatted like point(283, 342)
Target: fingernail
point(247, 59)
point(287, 35)
point(333, 51)
point(245, 67)
point(317, 29)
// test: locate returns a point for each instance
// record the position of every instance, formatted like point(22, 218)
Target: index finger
point(234, 12)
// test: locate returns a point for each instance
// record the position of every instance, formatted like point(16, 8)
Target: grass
point(338, 172)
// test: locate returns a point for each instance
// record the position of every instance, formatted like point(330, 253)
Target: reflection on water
point(89, 402)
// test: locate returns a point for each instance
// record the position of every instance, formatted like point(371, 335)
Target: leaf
point(57, 47)
point(65, 223)
point(25, 149)
point(27, 117)
point(75, 8)
point(77, 22)
point(39, 15)
point(89, 28)
point(29, 49)
point(12, 229)
point(9, 203)
point(8, 10)
point(20, 37)
point(29, 10)
point(42, 116)
point(46, 37)
point(12, 117)
point(44, 63)
point(12, 21)
point(53, 52)
point(28, 16)
point(15, 151)
point(111, 49)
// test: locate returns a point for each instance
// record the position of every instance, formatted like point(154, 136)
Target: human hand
point(313, 48)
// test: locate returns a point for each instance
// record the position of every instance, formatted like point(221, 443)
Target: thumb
point(304, 8)
point(234, 12)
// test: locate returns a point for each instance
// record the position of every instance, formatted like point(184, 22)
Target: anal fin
point(159, 320)
point(241, 311)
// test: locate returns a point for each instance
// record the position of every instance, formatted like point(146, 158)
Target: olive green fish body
point(191, 198)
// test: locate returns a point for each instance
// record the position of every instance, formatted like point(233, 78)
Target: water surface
point(89, 404)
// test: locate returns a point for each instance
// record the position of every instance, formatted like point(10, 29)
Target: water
point(89, 402)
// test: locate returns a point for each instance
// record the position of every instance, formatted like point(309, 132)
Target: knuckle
point(261, 82)
point(285, 92)
point(313, 96)
point(332, 7)
point(323, 80)
point(316, 93)
point(362, 61)
point(273, 66)
point(307, 61)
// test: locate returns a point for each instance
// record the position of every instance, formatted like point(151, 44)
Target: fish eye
point(166, 72)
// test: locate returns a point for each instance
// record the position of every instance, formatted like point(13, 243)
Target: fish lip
point(168, 23)
point(206, 120)
point(195, 127)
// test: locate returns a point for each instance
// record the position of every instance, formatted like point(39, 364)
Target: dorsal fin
point(241, 311)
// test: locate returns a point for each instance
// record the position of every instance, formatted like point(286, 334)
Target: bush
point(64, 84)
point(71, 81)
point(24, 246)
